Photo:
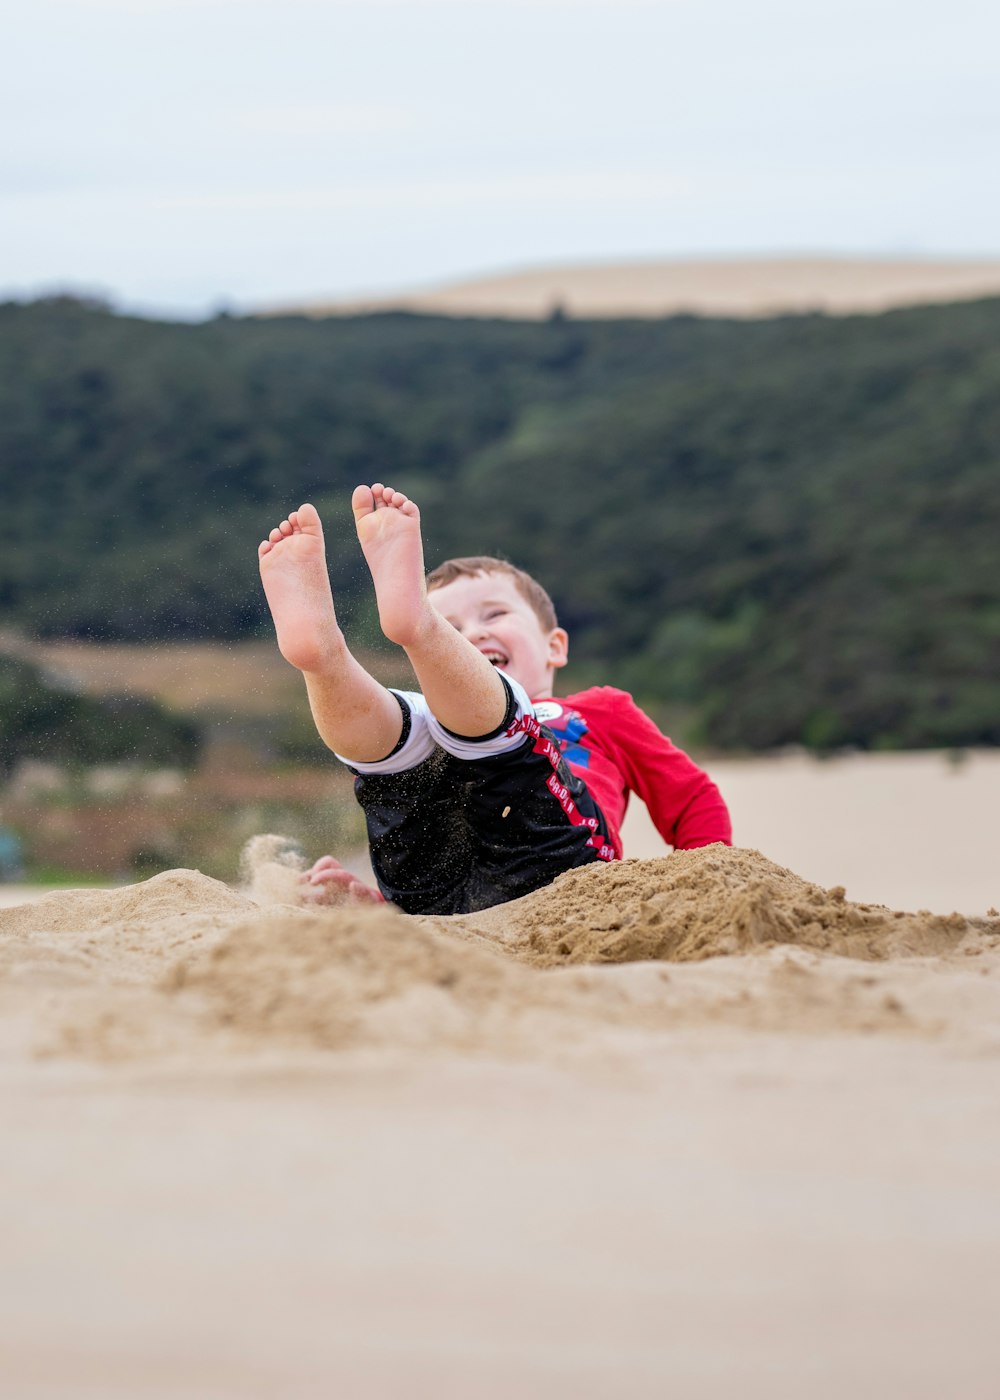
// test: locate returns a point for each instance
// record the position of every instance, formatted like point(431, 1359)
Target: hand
point(330, 883)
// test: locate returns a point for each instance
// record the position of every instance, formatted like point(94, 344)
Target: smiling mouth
point(496, 658)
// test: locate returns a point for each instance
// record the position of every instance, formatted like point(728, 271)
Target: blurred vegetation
point(40, 719)
point(124, 822)
point(787, 528)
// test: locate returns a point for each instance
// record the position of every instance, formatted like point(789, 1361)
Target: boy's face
point(490, 612)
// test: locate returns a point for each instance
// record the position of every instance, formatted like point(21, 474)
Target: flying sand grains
point(270, 867)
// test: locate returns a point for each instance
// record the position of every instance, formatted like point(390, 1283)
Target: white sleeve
point(415, 742)
point(509, 735)
point(422, 733)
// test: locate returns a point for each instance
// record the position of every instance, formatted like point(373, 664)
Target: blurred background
point(691, 310)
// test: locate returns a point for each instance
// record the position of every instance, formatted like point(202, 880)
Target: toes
point(401, 502)
point(379, 497)
point(264, 548)
point(363, 500)
point(304, 520)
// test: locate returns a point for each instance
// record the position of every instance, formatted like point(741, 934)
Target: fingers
point(324, 863)
point(364, 894)
point(328, 876)
point(330, 883)
point(341, 888)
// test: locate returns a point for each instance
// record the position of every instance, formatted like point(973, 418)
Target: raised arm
point(686, 806)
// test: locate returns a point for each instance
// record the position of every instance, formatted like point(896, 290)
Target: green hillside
point(43, 720)
point(787, 526)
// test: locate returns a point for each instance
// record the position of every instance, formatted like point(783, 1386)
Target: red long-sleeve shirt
point(617, 749)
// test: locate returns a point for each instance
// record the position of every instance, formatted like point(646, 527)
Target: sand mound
point(702, 904)
point(95, 941)
point(183, 965)
point(174, 894)
point(348, 975)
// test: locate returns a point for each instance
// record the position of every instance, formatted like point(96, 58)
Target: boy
point(469, 802)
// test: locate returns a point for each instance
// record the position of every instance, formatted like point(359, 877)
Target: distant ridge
point(750, 287)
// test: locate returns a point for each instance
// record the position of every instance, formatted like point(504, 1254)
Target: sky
point(185, 156)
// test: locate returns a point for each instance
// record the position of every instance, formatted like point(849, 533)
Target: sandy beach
point(690, 1124)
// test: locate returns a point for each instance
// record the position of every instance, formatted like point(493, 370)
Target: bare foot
point(459, 684)
point(389, 530)
point(297, 585)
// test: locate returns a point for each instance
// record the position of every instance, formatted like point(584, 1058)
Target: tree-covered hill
point(789, 526)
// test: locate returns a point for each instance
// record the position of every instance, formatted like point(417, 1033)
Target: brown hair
point(531, 591)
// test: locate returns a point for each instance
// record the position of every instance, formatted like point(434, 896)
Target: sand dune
point(690, 1125)
point(744, 287)
point(135, 969)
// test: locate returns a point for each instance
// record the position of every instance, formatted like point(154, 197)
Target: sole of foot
point(388, 525)
point(297, 587)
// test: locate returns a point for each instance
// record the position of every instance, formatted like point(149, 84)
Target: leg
point(461, 687)
point(355, 716)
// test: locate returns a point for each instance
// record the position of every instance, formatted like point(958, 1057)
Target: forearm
point(703, 821)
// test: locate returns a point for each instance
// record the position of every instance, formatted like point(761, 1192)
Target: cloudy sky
point(179, 155)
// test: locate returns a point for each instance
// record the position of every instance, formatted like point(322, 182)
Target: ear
point(558, 653)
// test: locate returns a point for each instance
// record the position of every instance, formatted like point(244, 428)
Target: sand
point(914, 830)
point(686, 1125)
point(743, 287)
